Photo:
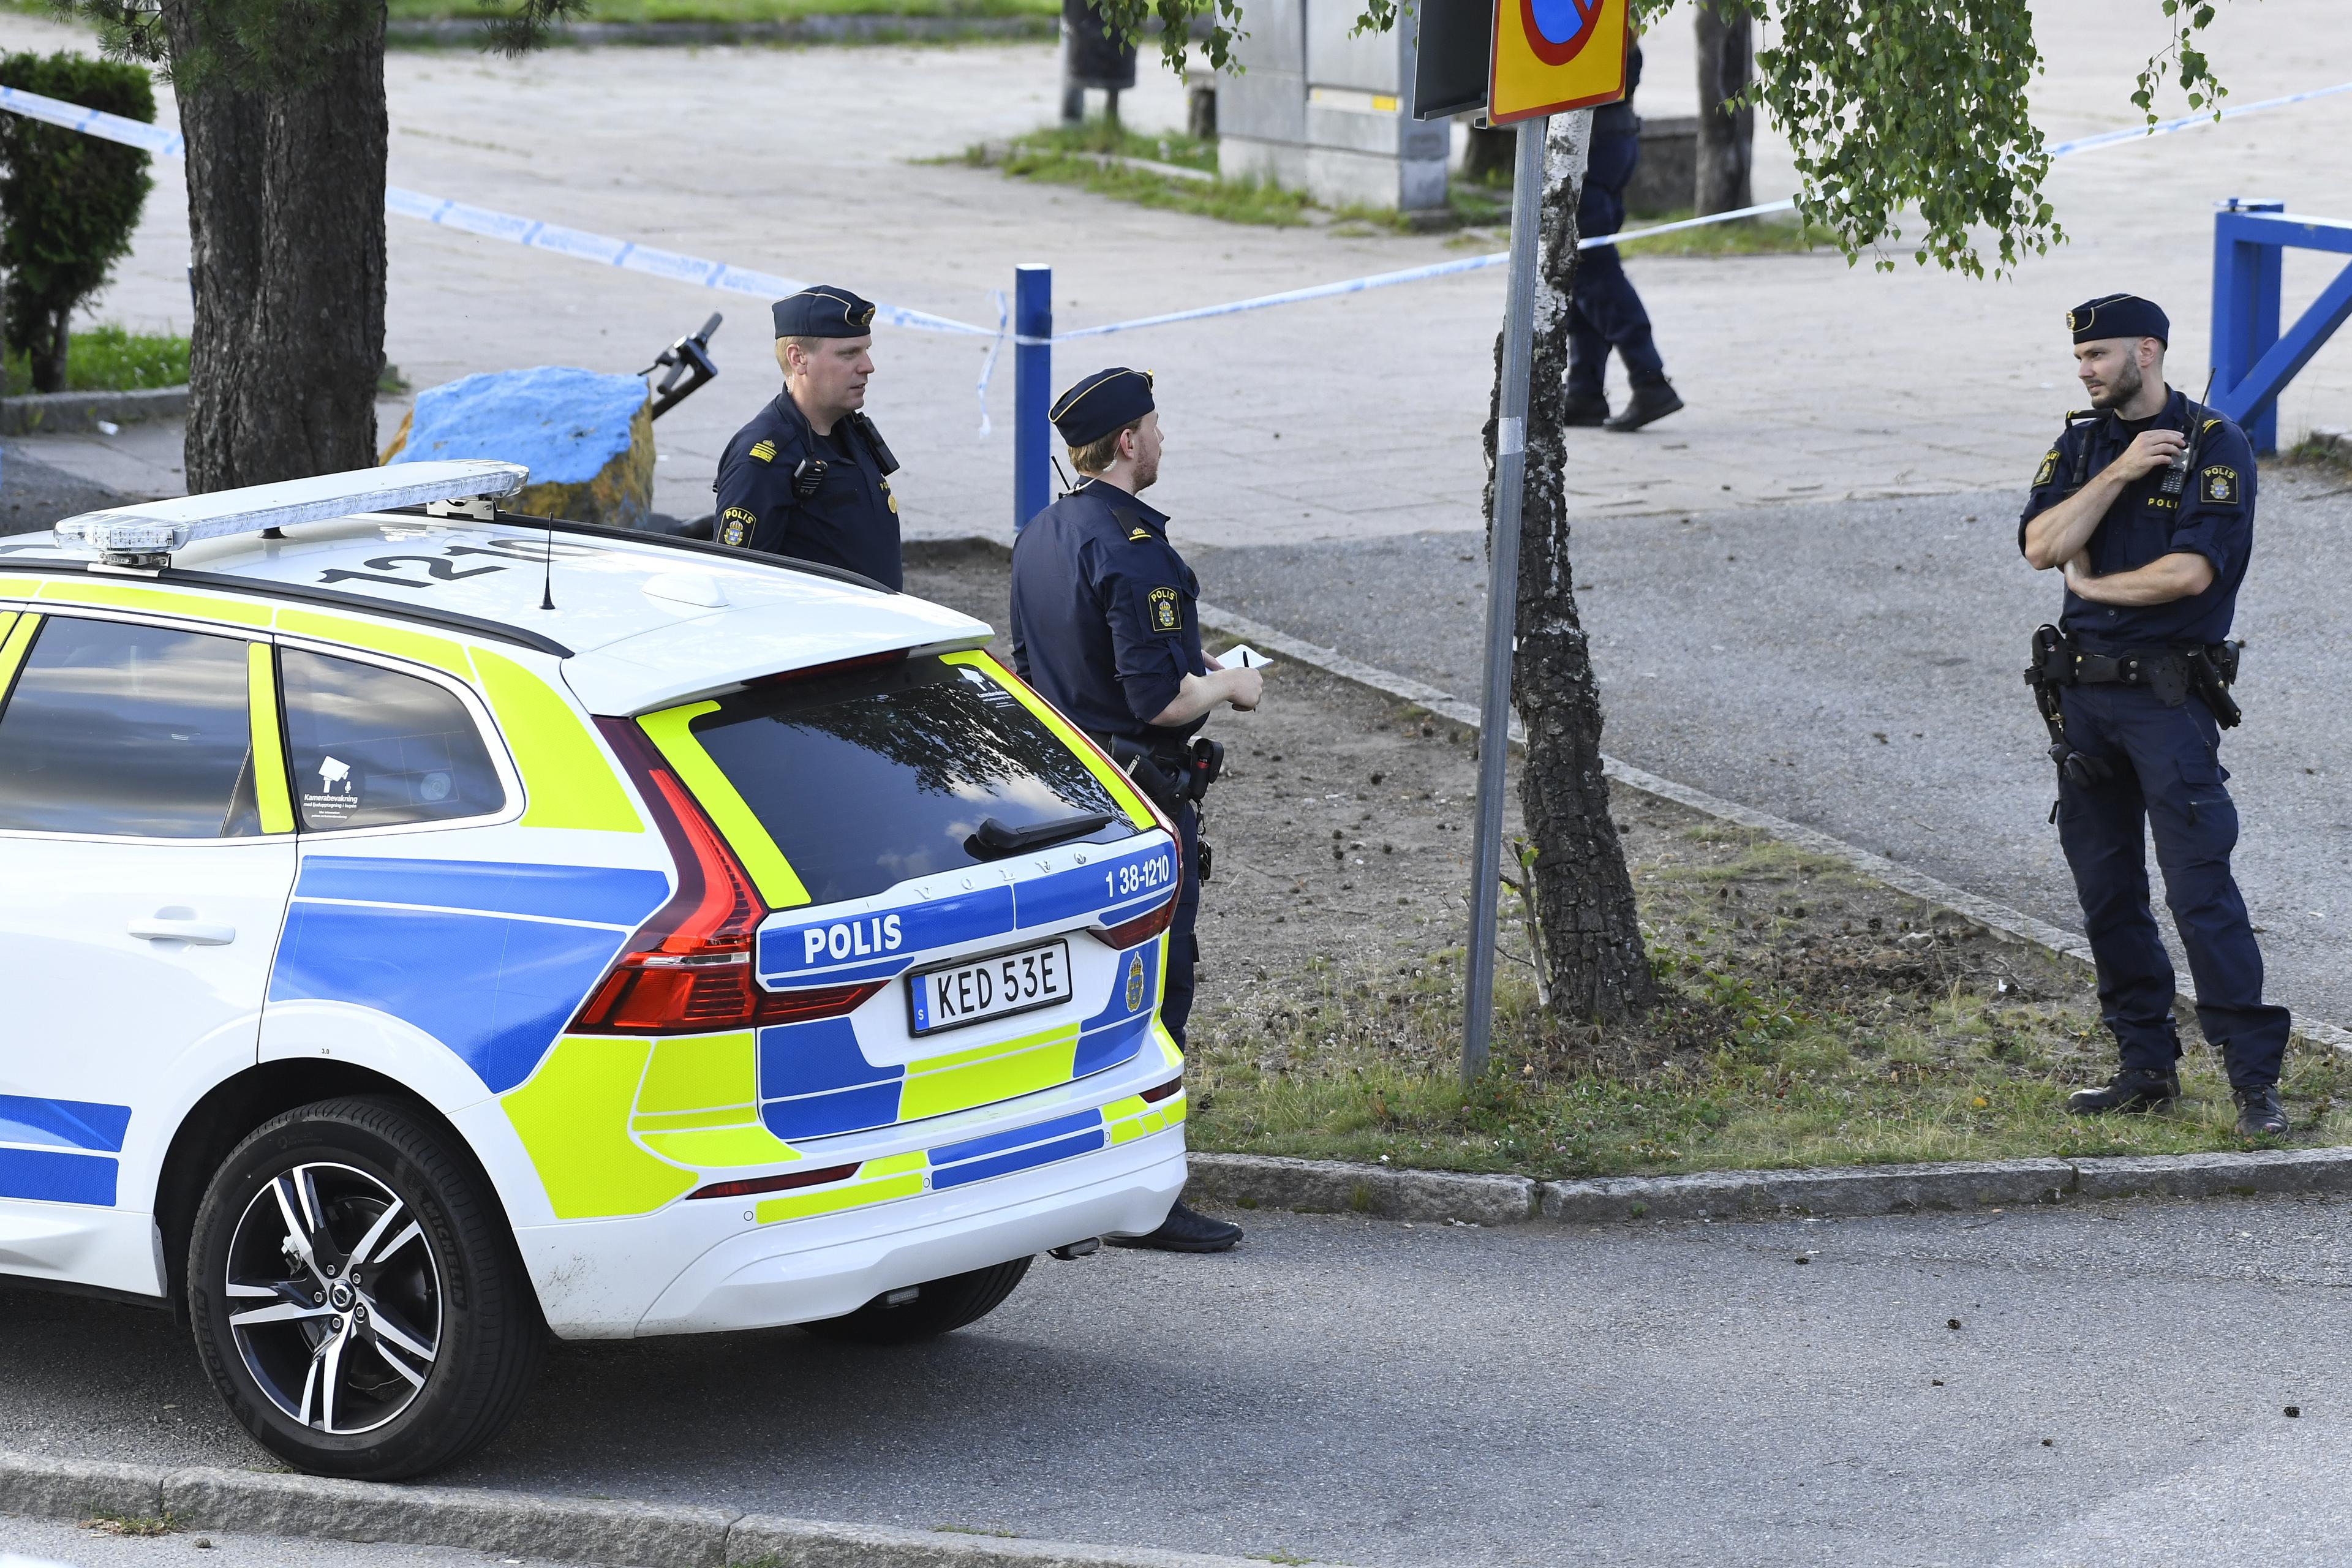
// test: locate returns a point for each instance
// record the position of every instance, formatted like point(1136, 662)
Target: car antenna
point(547, 569)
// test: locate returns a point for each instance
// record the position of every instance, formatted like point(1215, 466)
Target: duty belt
point(2171, 673)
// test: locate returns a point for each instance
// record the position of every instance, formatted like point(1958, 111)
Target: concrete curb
point(1998, 918)
point(1336, 1186)
point(522, 1525)
point(59, 413)
point(1332, 1186)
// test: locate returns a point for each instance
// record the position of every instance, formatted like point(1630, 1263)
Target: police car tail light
point(689, 967)
point(1143, 928)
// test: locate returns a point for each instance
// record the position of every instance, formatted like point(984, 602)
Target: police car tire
point(942, 1307)
point(490, 1336)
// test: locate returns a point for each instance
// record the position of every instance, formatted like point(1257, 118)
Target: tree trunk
point(1486, 158)
point(285, 229)
point(1593, 952)
point(48, 358)
point(1726, 136)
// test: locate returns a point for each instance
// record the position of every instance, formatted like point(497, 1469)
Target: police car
point(424, 928)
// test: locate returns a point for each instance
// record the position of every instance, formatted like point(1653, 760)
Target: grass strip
point(110, 358)
point(1807, 1023)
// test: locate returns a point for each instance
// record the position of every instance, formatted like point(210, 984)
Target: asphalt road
point(1855, 666)
point(35, 494)
point(1352, 1391)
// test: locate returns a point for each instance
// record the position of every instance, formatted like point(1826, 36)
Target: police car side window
point(372, 747)
point(128, 730)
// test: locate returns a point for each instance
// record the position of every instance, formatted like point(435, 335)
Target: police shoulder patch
point(735, 526)
point(2049, 467)
point(1165, 615)
point(2219, 484)
point(764, 450)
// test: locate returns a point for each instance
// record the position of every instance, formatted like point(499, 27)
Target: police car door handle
point(162, 927)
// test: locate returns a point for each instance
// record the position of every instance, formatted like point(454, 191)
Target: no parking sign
point(1518, 58)
point(1553, 55)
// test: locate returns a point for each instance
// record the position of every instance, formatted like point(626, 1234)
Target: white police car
point(422, 928)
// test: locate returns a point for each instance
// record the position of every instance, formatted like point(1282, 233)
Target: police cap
point(1106, 401)
point(2119, 316)
point(821, 310)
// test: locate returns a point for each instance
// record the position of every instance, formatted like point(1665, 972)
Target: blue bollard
point(1033, 390)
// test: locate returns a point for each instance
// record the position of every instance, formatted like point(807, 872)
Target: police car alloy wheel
point(355, 1296)
point(926, 1311)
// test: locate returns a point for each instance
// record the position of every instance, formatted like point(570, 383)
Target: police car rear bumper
point(806, 1269)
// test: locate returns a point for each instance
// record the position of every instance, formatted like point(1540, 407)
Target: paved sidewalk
point(1342, 419)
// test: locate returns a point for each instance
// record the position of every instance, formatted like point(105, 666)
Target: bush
point(69, 201)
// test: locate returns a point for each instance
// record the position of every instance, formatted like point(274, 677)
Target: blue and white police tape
point(489, 224)
point(583, 245)
point(1787, 204)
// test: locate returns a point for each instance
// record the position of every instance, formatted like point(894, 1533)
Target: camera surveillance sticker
point(336, 799)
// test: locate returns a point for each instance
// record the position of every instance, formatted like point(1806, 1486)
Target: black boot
point(1184, 1231)
point(1652, 401)
point(2260, 1114)
point(2133, 1089)
point(1585, 408)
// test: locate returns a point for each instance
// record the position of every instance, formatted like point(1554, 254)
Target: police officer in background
point(1104, 626)
point(810, 477)
point(1604, 311)
point(2146, 507)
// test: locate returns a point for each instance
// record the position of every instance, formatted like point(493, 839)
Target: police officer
point(1104, 626)
point(1605, 311)
point(2146, 507)
point(809, 478)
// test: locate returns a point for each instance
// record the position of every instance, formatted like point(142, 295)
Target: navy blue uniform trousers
point(2167, 780)
point(1605, 311)
point(1183, 945)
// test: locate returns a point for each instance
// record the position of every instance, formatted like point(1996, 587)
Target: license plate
point(986, 988)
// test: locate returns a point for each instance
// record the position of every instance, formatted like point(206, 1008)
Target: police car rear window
point(874, 775)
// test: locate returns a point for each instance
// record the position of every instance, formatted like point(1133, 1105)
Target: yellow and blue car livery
point(803, 1144)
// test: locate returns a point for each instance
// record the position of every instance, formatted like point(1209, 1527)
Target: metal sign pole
point(1502, 595)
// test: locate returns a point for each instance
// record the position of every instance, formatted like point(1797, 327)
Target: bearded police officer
point(1104, 626)
point(809, 478)
point(2146, 507)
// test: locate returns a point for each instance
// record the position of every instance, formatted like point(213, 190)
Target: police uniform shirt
point(2214, 516)
point(852, 520)
point(1103, 623)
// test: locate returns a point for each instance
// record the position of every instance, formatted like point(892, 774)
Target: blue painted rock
point(588, 439)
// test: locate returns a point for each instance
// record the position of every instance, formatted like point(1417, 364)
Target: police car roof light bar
point(146, 534)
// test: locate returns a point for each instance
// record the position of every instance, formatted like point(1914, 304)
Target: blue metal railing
point(2252, 358)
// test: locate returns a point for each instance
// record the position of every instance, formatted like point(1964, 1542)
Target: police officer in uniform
point(1605, 311)
point(810, 477)
point(1104, 626)
point(2146, 507)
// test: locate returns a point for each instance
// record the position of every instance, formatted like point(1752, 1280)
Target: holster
point(1159, 776)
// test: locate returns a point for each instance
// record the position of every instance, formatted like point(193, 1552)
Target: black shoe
point(1585, 408)
point(1184, 1231)
point(1650, 403)
point(2260, 1115)
point(2133, 1089)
